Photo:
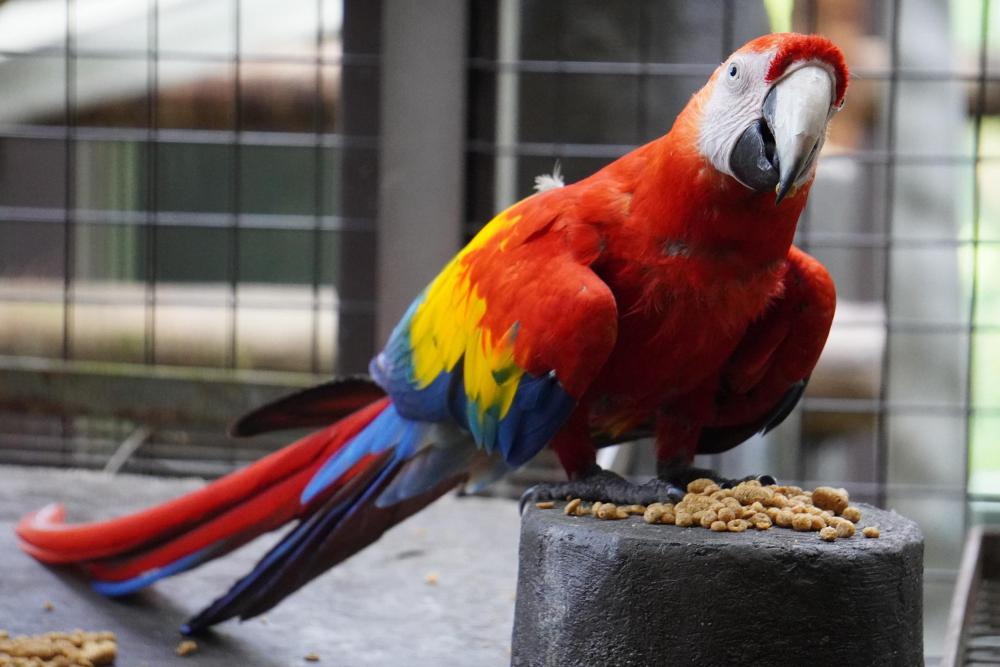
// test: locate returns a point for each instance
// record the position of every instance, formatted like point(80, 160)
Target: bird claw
point(606, 486)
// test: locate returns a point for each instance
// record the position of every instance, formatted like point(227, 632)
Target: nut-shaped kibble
point(852, 514)
point(545, 505)
point(668, 518)
point(737, 526)
point(746, 512)
point(697, 503)
point(828, 533)
point(753, 482)
point(871, 531)
point(708, 518)
point(772, 513)
point(607, 511)
point(777, 500)
point(818, 523)
point(844, 528)
point(684, 519)
point(699, 485)
point(785, 518)
point(571, 506)
point(719, 526)
point(812, 509)
point(186, 647)
point(729, 501)
point(760, 516)
point(595, 507)
point(802, 522)
point(726, 514)
point(829, 498)
point(622, 513)
point(748, 494)
point(763, 525)
point(710, 490)
point(653, 513)
point(801, 499)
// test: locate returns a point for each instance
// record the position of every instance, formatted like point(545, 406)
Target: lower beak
point(797, 110)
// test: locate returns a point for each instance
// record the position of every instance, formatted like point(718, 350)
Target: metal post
point(421, 164)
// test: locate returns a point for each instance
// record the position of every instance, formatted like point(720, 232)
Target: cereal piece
point(595, 508)
point(545, 505)
point(186, 648)
point(829, 533)
point(607, 511)
point(719, 526)
point(711, 489)
point(571, 506)
point(668, 517)
point(581, 510)
point(635, 509)
point(818, 523)
point(726, 514)
point(871, 531)
point(653, 513)
point(311, 657)
point(802, 522)
point(708, 518)
point(829, 498)
point(699, 485)
point(737, 526)
point(753, 482)
point(746, 512)
point(852, 514)
point(764, 524)
point(697, 503)
point(785, 518)
point(844, 528)
point(101, 652)
point(48, 606)
point(684, 519)
point(431, 579)
point(621, 513)
point(776, 500)
point(748, 493)
point(772, 513)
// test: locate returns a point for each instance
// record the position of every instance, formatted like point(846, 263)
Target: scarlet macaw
point(662, 294)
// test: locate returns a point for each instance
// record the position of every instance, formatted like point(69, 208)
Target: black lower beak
point(753, 161)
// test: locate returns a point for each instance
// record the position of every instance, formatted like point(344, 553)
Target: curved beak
point(797, 110)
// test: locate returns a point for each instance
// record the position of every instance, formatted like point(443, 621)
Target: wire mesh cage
point(195, 190)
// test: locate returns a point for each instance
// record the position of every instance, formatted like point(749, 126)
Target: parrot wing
point(767, 374)
point(511, 333)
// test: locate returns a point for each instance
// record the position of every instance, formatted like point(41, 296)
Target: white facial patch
point(735, 103)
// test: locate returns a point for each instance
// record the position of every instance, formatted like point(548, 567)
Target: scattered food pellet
point(802, 522)
point(829, 533)
point(431, 579)
point(545, 505)
point(571, 506)
point(871, 531)
point(311, 657)
point(186, 647)
point(829, 498)
point(72, 649)
point(48, 606)
point(852, 514)
point(719, 526)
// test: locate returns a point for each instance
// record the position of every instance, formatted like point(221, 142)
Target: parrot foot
point(606, 486)
point(682, 474)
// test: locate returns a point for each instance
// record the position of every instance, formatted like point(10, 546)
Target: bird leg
point(681, 474)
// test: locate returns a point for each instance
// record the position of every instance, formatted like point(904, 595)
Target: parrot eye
point(732, 71)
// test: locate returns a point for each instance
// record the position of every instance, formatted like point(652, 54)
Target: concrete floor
point(375, 609)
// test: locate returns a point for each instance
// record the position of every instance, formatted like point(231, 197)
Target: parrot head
point(765, 111)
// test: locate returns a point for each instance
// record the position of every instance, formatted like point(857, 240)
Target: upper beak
point(797, 110)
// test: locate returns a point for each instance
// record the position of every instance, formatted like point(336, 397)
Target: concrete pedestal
point(611, 593)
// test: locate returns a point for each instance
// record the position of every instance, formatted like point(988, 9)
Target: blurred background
point(207, 203)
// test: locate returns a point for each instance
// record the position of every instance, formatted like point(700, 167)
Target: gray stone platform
point(375, 609)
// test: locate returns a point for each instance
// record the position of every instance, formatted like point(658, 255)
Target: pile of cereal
point(58, 649)
point(749, 504)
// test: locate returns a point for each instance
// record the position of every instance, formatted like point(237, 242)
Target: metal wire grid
point(71, 440)
point(152, 137)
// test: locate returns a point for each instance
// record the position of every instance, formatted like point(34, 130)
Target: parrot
point(661, 296)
